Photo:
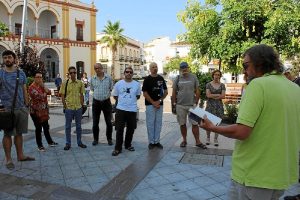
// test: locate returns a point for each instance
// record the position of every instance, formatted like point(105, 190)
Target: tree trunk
point(113, 66)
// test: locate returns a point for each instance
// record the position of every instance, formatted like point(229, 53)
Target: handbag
point(7, 118)
point(43, 115)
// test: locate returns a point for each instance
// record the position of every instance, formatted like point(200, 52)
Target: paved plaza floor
point(92, 173)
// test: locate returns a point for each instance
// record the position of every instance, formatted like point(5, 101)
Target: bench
point(233, 92)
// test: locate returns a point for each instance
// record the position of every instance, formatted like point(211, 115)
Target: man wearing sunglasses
point(72, 91)
point(265, 158)
point(126, 92)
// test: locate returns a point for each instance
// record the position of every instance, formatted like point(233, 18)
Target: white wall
point(79, 15)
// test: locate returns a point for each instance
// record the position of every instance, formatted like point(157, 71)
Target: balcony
point(31, 32)
point(121, 58)
point(103, 59)
point(131, 59)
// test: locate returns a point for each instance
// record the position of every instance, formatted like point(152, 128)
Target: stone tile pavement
point(93, 173)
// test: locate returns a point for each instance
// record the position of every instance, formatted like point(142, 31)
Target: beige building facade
point(129, 55)
point(62, 32)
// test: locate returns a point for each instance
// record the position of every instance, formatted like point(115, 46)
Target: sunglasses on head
point(128, 72)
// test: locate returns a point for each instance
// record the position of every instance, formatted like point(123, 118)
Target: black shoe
point(41, 149)
point(109, 142)
point(67, 147)
point(116, 152)
point(53, 144)
point(158, 145)
point(95, 143)
point(151, 146)
point(82, 146)
point(130, 148)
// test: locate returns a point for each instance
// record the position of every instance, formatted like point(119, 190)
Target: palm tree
point(113, 38)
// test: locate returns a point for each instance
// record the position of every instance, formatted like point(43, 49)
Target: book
point(197, 114)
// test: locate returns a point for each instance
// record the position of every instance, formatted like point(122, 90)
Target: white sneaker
point(216, 142)
point(207, 141)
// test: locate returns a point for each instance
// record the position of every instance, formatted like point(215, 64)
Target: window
point(53, 32)
point(18, 28)
point(104, 67)
point(80, 69)
point(79, 32)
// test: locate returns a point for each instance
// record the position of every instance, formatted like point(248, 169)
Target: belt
point(101, 100)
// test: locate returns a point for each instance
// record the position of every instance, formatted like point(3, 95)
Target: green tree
point(227, 32)
point(113, 39)
point(3, 29)
point(174, 63)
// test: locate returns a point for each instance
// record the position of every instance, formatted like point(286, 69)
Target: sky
point(142, 20)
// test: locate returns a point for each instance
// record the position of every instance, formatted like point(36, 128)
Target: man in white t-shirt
point(126, 92)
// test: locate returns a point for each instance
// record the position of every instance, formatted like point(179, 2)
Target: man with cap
point(186, 95)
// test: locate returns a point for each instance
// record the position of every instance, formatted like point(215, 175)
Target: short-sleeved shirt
point(7, 88)
point(74, 91)
point(185, 88)
point(155, 87)
point(38, 98)
point(127, 93)
point(268, 158)
point(102, 88)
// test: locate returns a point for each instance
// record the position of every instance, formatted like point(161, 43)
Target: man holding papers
point(265, 158)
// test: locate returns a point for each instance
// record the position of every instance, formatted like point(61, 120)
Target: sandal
point(183, 144)
point(10, 165)
point(115, 153)
point(26, 158)
point(130, 149)
point(201, 145)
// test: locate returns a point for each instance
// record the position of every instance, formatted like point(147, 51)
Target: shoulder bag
point(7, 118)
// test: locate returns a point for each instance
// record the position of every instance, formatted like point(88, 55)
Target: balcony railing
point(103, 59)
point(31, 32)
point(121, 58)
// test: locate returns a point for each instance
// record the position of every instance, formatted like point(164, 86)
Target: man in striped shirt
point(101, 85)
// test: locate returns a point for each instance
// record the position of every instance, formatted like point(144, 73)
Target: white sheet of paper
point(198, 113)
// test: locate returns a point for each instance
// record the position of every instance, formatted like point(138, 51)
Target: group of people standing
point(266, 155)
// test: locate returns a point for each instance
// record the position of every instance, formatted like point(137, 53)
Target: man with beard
point(8, 77)
point(126, 92)
point(266, 154)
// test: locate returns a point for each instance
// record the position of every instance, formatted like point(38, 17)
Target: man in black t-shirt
point(154, 90)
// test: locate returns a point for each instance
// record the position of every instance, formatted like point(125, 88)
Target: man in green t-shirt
point(265, 158)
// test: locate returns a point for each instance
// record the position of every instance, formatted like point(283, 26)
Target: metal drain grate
point(202, 159)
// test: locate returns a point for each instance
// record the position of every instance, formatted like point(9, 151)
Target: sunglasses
point(38, 77)
point(72, 72)
point(246, 65)
point(128, 72)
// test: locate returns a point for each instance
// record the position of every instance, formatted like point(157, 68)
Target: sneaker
point(67, 147)
point(53, 144)
point(82, 146)
point(41, 149)
point(216, 142)
point(151, 146)
point(208, 141)
point(158, 145)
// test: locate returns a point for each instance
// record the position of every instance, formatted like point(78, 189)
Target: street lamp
point(24, 19)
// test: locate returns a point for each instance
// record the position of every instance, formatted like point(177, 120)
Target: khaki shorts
point(21, 123)
point(182, 113)
point(241, 192)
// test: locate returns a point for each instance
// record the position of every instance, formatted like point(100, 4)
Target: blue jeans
point(154, 123)
point(86, 96)
point(69, 114)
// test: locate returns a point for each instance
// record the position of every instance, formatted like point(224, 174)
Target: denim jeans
point(154, 123)
point(86, 96)
point(69, 114)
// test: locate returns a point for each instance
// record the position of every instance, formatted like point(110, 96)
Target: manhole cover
point(85, 131)
point(202, 159)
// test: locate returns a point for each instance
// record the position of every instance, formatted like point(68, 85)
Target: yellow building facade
point(63, 32)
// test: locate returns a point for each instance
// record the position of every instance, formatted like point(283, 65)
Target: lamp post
point(24, 19)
